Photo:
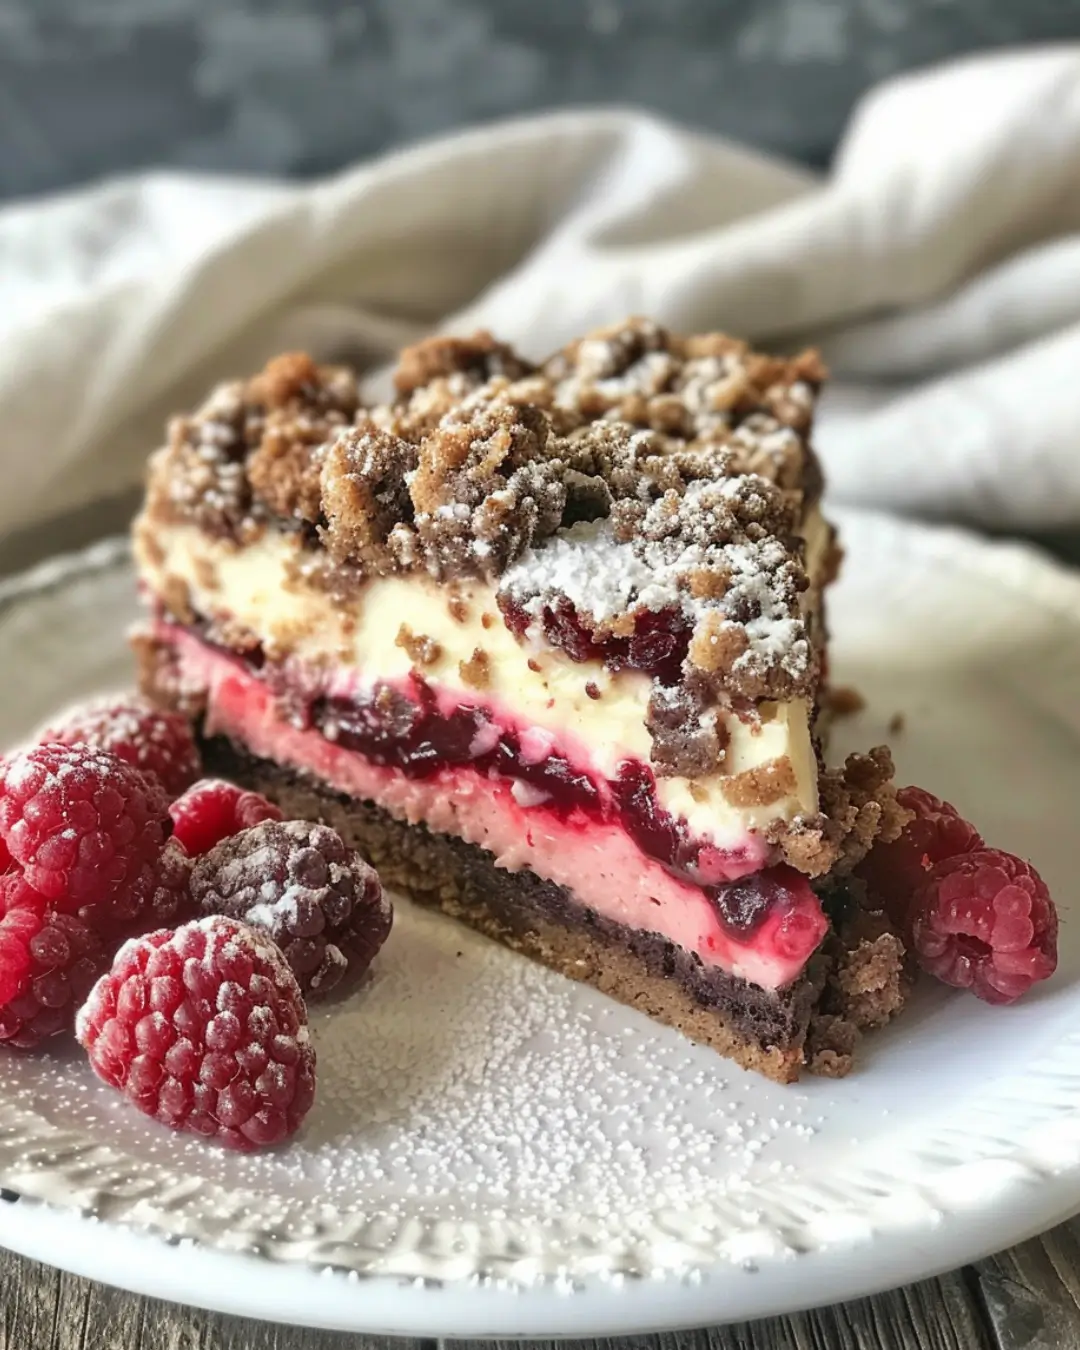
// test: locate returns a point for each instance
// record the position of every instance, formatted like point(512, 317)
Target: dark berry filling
point(742, 906)
point(410, 734)
point(657, 646)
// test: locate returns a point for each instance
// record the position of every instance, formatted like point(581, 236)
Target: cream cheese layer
point(378, 633)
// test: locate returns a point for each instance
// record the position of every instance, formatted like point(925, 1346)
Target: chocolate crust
point(758, 1029)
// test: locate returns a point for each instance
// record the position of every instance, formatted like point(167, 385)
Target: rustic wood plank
point(938, 1314)
point(1032, 1292)
point(1032, 1298)
point(42, 1309)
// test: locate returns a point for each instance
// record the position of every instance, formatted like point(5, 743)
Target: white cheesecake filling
point(597, 716)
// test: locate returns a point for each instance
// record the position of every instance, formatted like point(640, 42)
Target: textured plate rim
point(829, 1273)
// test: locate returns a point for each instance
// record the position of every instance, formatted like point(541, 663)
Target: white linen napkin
point(938, 266)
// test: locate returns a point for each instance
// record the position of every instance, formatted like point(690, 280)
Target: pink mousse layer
point(599, 863)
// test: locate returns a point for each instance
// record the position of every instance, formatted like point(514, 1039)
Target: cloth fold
point(937, 266)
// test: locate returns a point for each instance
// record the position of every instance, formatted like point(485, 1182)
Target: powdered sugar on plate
point(434, 1102)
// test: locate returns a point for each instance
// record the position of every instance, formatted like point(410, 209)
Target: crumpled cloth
point(937, 266)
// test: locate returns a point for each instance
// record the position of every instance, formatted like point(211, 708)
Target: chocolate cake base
point(758, 1029)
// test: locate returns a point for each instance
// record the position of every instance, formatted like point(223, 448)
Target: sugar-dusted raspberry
point(894, 872)
point(136, 732)
point(214, 809)
point(204, 1029)
point(160, 896)
point(48, 964)
point(320, 901)
point(984, 921)
point(82, 826)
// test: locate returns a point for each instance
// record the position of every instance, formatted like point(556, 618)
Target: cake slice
point(548, 645)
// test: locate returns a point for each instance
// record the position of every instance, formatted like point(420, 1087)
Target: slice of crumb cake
point(547, 643)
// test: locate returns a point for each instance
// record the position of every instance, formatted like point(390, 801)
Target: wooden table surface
point(1027, 1298)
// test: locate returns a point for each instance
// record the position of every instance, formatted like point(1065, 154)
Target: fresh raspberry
point(213, 810)
point(159, 895)
point(320, 902)
point(894, 872)
point(48, 964)
point(984, 921)
point(135, 731)
point(204, 1028)
point(82, 828)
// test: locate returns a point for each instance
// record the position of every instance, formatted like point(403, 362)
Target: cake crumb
point(689, 737)
point(867, 985)
point(592, 689)
point(147, 543)
point(422, 650)
point(717, 644)
point(869, 981)
point(844, 700)
point(365, 500)
point(858, 806)
point(302, 407)
point(486, 619)
point(206, 574)
point(763, 785)
point(830, 1045)
point(475, 360)
point(476, 671)
point(457, 608)
point(897, 722)
point(175, 594)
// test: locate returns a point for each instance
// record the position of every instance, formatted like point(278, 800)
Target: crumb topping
point(761, 786)
point(720, 555)
point(708, 390)
point(305, 407)
point(476, 671)
point(858, 805)
point(251, 451)
point(689, 739)
point(868, 981)
point(485, 486)
point(420, 649)
point(637, 496)
point(473, 360)
point(366, 505)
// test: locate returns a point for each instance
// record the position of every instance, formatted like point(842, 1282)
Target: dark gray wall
point(299, 86)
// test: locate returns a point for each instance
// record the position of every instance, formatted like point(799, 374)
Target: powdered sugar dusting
point(604, 576)
point(296, 881)
point(236, 939)
point(476, 1113)
point(480, 1118)
point(598, 575)
point(275, 908)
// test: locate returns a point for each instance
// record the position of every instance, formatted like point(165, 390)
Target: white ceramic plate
point(496, 1150)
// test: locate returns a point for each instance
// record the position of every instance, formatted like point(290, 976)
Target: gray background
point(300, 86)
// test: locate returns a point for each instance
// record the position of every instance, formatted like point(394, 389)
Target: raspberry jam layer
point(525, 800)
